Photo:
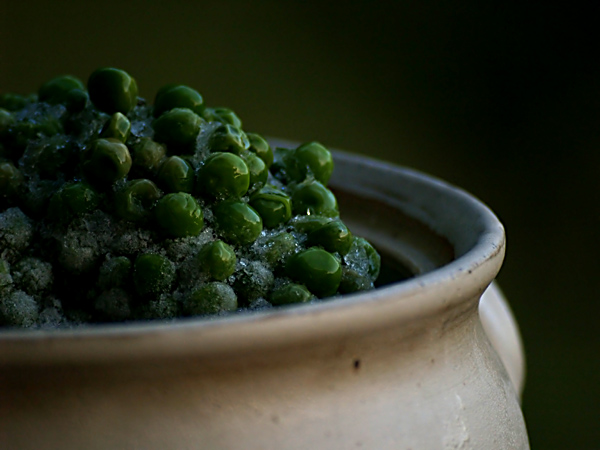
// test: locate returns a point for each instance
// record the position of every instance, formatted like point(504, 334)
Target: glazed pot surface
point(405, 366)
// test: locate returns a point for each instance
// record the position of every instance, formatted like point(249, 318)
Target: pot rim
point(475, 232)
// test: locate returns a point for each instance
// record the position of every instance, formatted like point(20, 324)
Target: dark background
point(501, 100)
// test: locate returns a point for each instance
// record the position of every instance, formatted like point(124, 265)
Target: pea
point(118, 127)
point(72, 200)
point(113, 305)
point(307, 224)
point(57, 89)
point(217, 259)
point(176, 175)
point(261, 148)
point(360, 251)
point(259, 173)
point(333, 237)
point(6, 120)
point(311, 197)
point(76, 100)
point(11, 179)
point(13, 102)
point(179, 215)
point(227, 138)
point(289, 294)
point(276, 249)
point(107, 160)
point(178, 128)
point(252, 281)
point(112, 90)
point(114, 272)
point(224, 175)
point(352, 281)
point(147, 155)
point(316, 268)
point(135, 200)
point(50, 156)
point(313, 158)
point(223, 115)
point(153, 274)
point(177, 96)
point(273, 206)
point(211, 298)
point(239, 223)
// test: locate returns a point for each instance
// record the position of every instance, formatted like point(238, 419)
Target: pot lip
point(461, 280)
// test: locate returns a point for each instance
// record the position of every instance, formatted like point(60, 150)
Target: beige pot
point(405, 366)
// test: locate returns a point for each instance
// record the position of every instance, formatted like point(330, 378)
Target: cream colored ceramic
point(407, 366)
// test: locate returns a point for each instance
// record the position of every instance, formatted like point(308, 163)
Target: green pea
point(259, 173)
point(72, 200)
point(6, 119)
point(284, 167)
point(114, 272)
point(49, 156)
point(289, 294)
point(260, 146)
point(147, 155)
point(211, 298)
point(223, 115)
point(177, 96)
point(316, 268)
point(352, 281)
point(311, 197)
point(333, 237)
point(313, 158)
point(13, 102)
point(112, 90)
point(224, 175)
point(153, 274)
point(179, 215)
point(56, 90)
point(22, 132)
point(118, 127)
point(252, 281)
point(178, 127)
point(275, 250)
point(135, 200)
point(176, 175)
point(76, 100)
point(307, 224)
point(273, 205)
point(107, 160)
point(239, 223)
point(227, 138)
point(217, 259)
point(362, 255)
point(113, 305)
point(11, 179)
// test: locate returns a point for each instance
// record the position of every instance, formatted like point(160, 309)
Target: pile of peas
point(114, 210)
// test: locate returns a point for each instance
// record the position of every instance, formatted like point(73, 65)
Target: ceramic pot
point(407, 365)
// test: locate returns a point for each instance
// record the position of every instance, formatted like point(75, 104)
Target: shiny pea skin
point(112, 90)
point(76, 100)
point(178, 96)
point(275, 250)
point(118, 127)
point(273, 205)
point(311, 197)
point(314, 158)
point(261, 148)
point(179, 215)
point(227, 138)
point(237, 222)
point(289, 294)
point(259, 173)
point(211, 298)
point(177, 128)
point(71, 200)
point(147, 155)
point(224, 175)
point(223, 115)
point(307, 224)
point(135, 200)
point(176, 175)
point(57, 89)
point(333, 237)
point(153, 274)
point(317, 269)
point(107, 160)
point(360, 251)
point(217, 259)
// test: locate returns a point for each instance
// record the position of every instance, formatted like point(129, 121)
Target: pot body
point(405, 366)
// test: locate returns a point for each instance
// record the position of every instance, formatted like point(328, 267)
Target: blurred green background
point(501, 100)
